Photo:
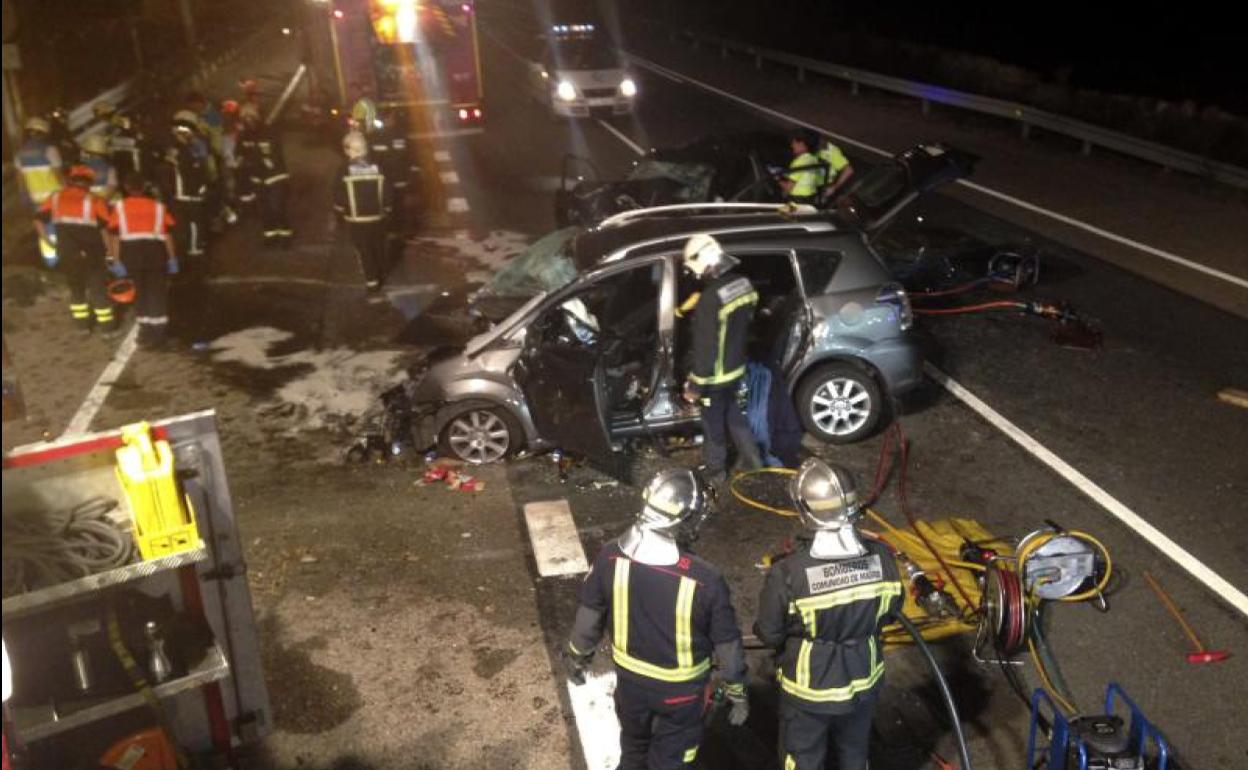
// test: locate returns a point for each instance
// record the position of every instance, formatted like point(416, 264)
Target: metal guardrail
point(1090, 135)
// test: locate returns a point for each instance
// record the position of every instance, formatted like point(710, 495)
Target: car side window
point(623, 304)
point(817, 268)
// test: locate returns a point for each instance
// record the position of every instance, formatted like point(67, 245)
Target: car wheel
point(839, 403)
point(481, 435)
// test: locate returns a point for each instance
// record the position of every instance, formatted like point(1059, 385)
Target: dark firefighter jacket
point(721, 324)
point(665, 621)
point(261, 158)
point(362, 193)
point(183, 177)
point(823, 617)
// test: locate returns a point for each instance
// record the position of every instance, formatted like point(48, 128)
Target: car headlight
point(565, 91)
point(628, 87)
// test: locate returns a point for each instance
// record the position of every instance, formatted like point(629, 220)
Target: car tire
point(839, 403)
point(479, 435)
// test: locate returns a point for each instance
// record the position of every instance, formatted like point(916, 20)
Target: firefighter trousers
point(658, 731)
point(804, 736)
point(189, 229)
point(723, 416)
point(81, 254)
point(369, 241)
point(274, 219)
point(151, 303)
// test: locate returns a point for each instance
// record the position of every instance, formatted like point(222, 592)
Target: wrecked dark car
point(736, 167)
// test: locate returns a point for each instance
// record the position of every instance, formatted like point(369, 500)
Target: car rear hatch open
point(878, 196)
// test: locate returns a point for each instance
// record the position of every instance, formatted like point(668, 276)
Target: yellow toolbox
point(163, 521)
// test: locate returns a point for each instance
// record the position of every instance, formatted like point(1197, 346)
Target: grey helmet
point(671, 498)
point(825, 495)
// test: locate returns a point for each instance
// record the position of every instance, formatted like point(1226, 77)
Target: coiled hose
point(69, 544)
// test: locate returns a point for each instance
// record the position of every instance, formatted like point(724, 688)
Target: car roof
point(636, 237)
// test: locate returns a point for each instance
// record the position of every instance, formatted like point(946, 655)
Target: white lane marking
point(457, 205)
point(80, 423)
point(1064, 219)
point(1187, 561)
point(557, 546)
point(622, 137)
point(1144, 247)
point(669, 75)
point(442, 156)
point(448, 177)
point(593, 704)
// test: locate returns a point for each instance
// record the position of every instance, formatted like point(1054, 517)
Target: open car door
point(878, 196)
point(564, 380)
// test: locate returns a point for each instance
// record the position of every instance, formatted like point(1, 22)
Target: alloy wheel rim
point(479, 437)
point(840, 406)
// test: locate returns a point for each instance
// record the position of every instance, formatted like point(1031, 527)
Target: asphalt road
point(406, 626)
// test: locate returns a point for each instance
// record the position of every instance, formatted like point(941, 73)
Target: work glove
point(117, 269)
point(172, 266)
point(576, 665)
point(51, 260)
point(736, 695)
point(691, 393)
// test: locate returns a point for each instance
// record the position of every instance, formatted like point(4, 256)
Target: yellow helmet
point(96, 144)
point(38, 124)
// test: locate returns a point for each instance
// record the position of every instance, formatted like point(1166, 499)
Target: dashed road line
point(622, 137)
point(1064, 219)
point(457, 205)
point(442, 156)
point(448, 177)
point(557, 546)
point(1154, 536)
point(80, 423)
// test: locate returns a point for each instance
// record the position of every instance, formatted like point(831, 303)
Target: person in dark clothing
point(80, 217)
point(669, 611)
point(821, 610)
point(183, 181)
point(362, 198)
point(263, 163)
point(722, 314)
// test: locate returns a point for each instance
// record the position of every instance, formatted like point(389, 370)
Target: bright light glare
point(285, 30)
point(566, 91)
point(338, 14)
point(628, 87)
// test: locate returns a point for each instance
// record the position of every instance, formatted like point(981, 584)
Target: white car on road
point(581, 73)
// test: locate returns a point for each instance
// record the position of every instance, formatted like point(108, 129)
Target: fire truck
point(416, 59)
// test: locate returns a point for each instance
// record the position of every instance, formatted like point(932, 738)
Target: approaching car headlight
point(628, 87)
point(565, 91)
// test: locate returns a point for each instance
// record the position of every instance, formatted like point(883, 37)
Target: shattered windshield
point(694, 178)
point(543, 267)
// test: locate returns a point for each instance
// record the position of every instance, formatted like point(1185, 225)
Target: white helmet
point(704, 255)
point(355, 145)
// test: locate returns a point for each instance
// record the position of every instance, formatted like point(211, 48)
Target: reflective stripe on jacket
point(39, 162)
point(74, 206)
point(140, 219)
point(721, 323)
point(361, 192)
point(824, 616)
point(807, 174)
point(665, 621)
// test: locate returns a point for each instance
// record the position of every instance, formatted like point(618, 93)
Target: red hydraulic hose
point(996, 305)
point(905, 508)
